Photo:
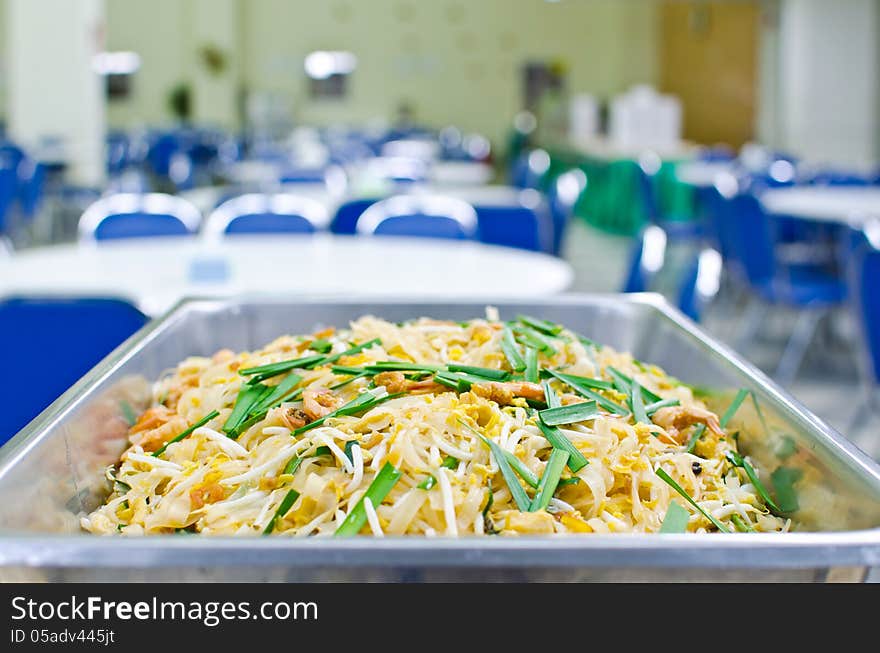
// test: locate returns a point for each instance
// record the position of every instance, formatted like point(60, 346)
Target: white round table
point(848, 205)
point(157, 272)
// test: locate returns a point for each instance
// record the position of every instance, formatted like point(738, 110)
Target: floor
point(828, 380)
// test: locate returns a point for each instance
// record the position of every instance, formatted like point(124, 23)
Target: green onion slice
point(569, 414)
point(544, 326)
point(263, 372)
point(128, 413)
point(783, 479)
point(286, 504)
point(279, 393)
point(524, 472)
point(550, 396)
point(637, 403)
point(352, 351)
point(549, 480)
point(626, 381)
point(484, 372)
point(511, 351)
point(675, 486)
point(207, 418)
point(516, 490)
point(400, 366)
point(738, 461)
point(249, 397)
point(427, 483)
point(676, 519)
point(734, 406)
point(322, 345)
point(449, 462)
point(531, 364)
point(363, 402)
point(580, 381)
point(741, 526)
point(385, 480)
point(528, 336)
point(697, 434)
point(557, 438)
point(650, 409)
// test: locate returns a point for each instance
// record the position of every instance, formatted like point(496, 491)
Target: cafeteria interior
point(725, 155)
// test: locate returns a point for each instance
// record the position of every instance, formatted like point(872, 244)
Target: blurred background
point(722, 153)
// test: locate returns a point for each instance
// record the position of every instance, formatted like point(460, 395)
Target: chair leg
point(793, 356)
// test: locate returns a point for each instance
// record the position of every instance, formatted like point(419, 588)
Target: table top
point(850, 205)
point(702, 174)
point(157, 272)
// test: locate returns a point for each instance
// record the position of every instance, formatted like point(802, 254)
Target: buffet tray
point(53, 471)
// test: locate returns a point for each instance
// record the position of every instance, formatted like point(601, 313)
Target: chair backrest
point(50, 343)
point(134, 215)
point(257, 213)
point(427, 216)
point(563, 196)
point(646, 259)
point(348, 213)
point(752, 240)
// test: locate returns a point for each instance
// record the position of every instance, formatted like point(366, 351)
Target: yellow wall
point(456, 61)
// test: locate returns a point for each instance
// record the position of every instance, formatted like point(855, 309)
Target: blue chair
point(863, 258)
point(809, 289)
point(646, 259)
point(257, 213)
point(130, 215)
point(529, 168)
point(345, 220)
point(50, 343)
point(520, 226)
point(425, 216)
point(562, 196)
point(700, 284)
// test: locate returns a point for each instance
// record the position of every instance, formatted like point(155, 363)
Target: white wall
point(53, 91)
point(827, 70)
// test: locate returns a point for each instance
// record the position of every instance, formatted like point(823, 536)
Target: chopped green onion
point(557, 438)
point(353, 350)
point(400, 366)
point(786, 447)
point(549, 480)
point(734, 406)
point(531, 364)
point(323, 450)
point(249, 422)
point(603, 401)
point(588, 343)
point(738, 461)
point(637, 404)
point(627, 381)
point(516, 490)
point(697, 434)
point(741, 526)
point(783, 479)
point(544, 326)
point(342, 384)
point(569, 414)
point(207, 418)
point(364, 401)
point(451, 381)
point(428, 483)
point(128, 413)
point(621, 384)
point(532, 338)
point(578, 382)
point(278, 394)
point(485, 372)
point(249, 397)
point(263, 372)
point(511, 351)
point(385, 480)
point(292, 465)
point(342, 369)
point(524, 472)
point(550, 396)
point(322, 345)
point(450, 462)
point(676, 519)
point(650, 409)
point(675, 486)
point(286, 504)
point(348, 447)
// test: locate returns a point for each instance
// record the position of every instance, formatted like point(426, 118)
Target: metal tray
point(53, 469)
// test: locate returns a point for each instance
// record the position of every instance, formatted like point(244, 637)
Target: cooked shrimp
point(396, 382)
point(319, 403)
point(155, 427)
point(674, 419)
point(503, 393)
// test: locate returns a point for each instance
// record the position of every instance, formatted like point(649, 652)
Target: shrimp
point(319, 403)
point(155, 427)
point(292, 418)
point(396, 382)
point(674, 419)
point(503, 393)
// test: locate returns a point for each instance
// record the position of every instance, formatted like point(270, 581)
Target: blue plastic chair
point(529, 168)
point(647, 256)
point(863, 269)
point(49, 343)
point(519, 226)
point(700, 283)
point(345, 220)
point(563, 195)
point(423, 216)
point(808, 289)
point(131, 215)
point(257, 213)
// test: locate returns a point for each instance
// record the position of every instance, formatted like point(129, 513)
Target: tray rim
point(717, 550)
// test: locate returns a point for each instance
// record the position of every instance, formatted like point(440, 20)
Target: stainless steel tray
point(53, 470)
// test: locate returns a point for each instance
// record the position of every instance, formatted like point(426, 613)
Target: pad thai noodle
point(432, 428)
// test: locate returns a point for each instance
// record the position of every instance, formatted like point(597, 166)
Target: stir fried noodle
point(429, 428)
